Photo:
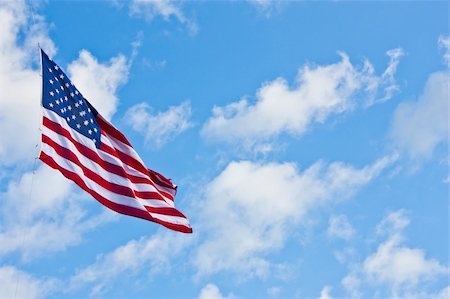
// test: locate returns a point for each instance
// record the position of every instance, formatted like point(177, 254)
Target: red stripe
point(122, 209)
point(116, 188)
point(92, 155)
point(165, 211)
point(161, 180)
point(111, 130)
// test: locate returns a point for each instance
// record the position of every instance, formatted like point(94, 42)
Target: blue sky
point(309, 141)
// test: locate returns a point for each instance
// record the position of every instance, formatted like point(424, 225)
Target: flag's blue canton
point(61, 96)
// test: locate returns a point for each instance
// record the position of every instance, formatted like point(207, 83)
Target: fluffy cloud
point(136, 255)
point(35, 219)
point(167, 9)
point(20, 285)
point(211, 291)
point(419, 126)
point(395, 264)
point(402, 269)
point(340, 227)
point(161, 127)
point(99, 82)
point(19, 82)
point(319, 92)
point(325, 293)
point(249, 208)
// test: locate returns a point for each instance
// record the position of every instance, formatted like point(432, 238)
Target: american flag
point(87, 149)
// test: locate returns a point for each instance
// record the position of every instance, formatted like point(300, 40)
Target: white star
point(85, 122)
point(57, 91)
point(95, 129)
point(76, 104)
point(70, 107)
point(56, 78)
point(89, 109)
point(51, 105)
point(61, 76)
point(51, 93)
point(67, 85)
point(94, 140)
point(73, 116)
point(78, 126)
point(90, 132)
point(92, 121)
point(51, 81)
point(62, 110)
point(80, 102)
point(50, 70)
point(65, 98)
point(72, 95)
point(57, 102)
point(68, 118)
point(62, 88)
point(76, 91)
point(56, 67)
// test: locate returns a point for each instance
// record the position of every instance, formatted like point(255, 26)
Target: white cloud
point(38, 222)
point(167, 9)
point(352, 283)
point(395, 264)
point(19, 82)
point(99, 82)
point(404, 270)
point(35, 218)
point(444, 293)
point(319, 92)
point(154, 253)
point(325, 293)
point(419, 126)
point(444, 42)
point(211, 291)
point(267, 7)
point(249, 209)
point(340, 227)
point(159, 128)
point(398, 265)
point(274, 291)
point(17, 284)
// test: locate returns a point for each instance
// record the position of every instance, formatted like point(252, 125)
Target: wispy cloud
point(15, 283)
point(159, 128)
point(147, 253)
point(166, 9)
point(211, 291)
point(340, 227)
point(249, 208)
point(319, 92)
point(402, 269)
point(420, 126)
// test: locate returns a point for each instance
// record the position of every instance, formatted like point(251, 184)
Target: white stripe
point(111, 196)
point(172, 219)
